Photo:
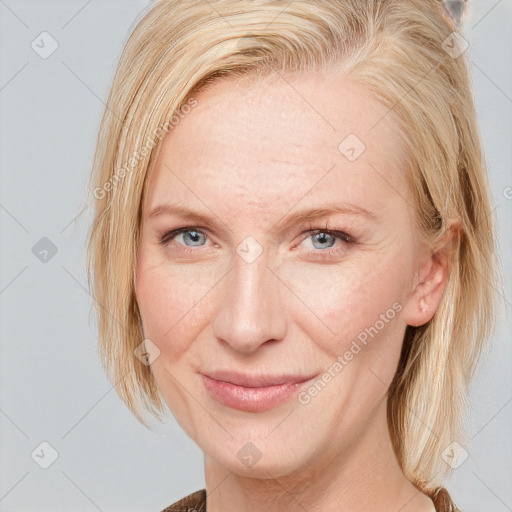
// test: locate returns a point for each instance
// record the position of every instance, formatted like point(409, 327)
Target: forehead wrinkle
point(248, 173)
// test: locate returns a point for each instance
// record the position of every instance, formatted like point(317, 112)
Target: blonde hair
point(396, 50)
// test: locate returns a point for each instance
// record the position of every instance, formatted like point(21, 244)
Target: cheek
point(173, 300)
point(332, 304)
point(360, 300)
point(357, 328)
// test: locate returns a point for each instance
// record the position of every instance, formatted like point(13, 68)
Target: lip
point(255, 393)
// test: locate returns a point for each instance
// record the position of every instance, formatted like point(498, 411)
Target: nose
point(251, 311)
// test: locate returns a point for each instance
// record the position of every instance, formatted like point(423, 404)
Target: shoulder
point(195, 502)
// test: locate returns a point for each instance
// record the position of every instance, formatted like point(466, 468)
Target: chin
point(254, 454)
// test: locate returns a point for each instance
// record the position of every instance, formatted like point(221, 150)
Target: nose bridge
point(251, 312)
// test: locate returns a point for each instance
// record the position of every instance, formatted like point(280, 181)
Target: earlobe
point(425, 298)
point(430, 282)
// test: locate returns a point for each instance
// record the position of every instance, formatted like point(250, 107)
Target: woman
point(293, 244)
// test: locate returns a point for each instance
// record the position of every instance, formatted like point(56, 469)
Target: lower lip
point(250, 399)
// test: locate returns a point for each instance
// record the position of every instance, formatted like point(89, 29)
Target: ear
point(431, 277)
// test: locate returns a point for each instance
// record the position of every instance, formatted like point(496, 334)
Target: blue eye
point(323, 237)
point(322, 240)
point(191, 234)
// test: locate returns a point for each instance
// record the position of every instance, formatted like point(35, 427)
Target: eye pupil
point(192, 238)
point(193, 235)
point(321, 238)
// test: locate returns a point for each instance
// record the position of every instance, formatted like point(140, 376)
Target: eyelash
point(339, 235)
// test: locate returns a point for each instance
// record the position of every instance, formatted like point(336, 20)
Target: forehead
point(278, 140)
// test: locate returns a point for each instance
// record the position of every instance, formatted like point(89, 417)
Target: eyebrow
point(282, 225)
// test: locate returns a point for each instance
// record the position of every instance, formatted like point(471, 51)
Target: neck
point(363, 476)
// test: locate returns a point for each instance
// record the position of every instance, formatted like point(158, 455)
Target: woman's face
point(252, 287)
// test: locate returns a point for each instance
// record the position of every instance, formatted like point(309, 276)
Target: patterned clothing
point(196, 502)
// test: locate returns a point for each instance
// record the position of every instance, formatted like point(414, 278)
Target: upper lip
point(256, 381)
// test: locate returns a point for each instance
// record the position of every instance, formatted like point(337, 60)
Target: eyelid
point(333, 232)
point(173, 233)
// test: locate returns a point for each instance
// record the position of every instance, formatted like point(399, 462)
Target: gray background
point(51, 383)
